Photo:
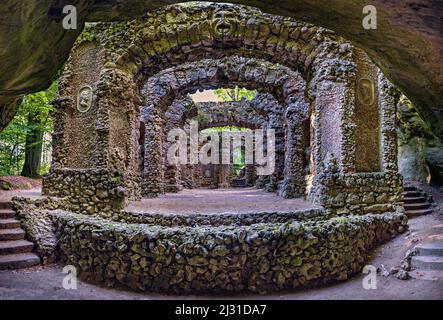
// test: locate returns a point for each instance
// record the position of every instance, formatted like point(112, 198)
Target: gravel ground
point(215, 201)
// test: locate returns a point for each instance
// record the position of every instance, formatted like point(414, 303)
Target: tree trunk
point(33, 147)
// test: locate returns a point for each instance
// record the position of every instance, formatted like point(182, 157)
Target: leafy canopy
point(235, 94)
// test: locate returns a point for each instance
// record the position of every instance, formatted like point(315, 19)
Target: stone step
point(19, 260)
point(239, 183)
point(416, 206)
point(5, 205)
point(11, 234)
point(408, 194)
point(409, 188)
point(430, 249)
point(9, 223)
point(433, 275)
point(417, 213)
point(15, 246)
point(414, 199)
point(429, 198)
point(6, 213)
point(427, 262)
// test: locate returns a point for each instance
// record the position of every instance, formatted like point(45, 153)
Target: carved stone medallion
point(84, 99)
point(366, 91)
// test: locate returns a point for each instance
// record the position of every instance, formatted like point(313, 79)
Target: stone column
point(294, 184)
point(152, 182)
point(388, 108)
point(172, 180)
point(250, 175)
point(276, 122)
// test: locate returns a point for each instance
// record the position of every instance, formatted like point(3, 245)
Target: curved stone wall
point(224, 219)
point(259, 257)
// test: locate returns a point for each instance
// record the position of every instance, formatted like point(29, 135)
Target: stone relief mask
point(84, 99)
point(366, 91)
point(225, 21)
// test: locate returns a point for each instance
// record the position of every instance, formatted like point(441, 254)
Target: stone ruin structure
point(126, 84)
point(262, 112)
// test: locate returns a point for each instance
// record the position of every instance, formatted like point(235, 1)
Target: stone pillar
point(387, 100)
point(224, 175)
point(276, 122)
point(172, 175)
point(294, 184)
point(152, 182)
point(250, 175)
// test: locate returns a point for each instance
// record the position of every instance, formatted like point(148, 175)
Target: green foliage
point(411, 124)
point(86, 35)
point(190, 4)
point(235, 94)
point(238, 153)
point(13, 137)
point(239, 161)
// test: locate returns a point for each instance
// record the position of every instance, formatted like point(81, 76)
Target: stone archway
point(262, 112)
point(163, 88)
point(193, 34)
point(408, 49)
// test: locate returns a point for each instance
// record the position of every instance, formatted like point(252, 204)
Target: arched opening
point(287, 86)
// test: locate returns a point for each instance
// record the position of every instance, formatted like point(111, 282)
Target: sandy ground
point(30, 193)
point(216, 201)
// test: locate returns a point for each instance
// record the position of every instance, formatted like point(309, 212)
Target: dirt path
point(216, 201)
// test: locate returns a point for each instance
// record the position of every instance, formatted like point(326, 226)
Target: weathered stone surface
point(261, 257)
point(87, 191)
point(412, 161)
point(8, 107)
point(420, 150)
point(38, 225)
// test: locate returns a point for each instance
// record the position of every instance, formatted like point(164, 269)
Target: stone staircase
point(428, 262)
point(15, 251)
point(239, 182)
point(416, 202)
